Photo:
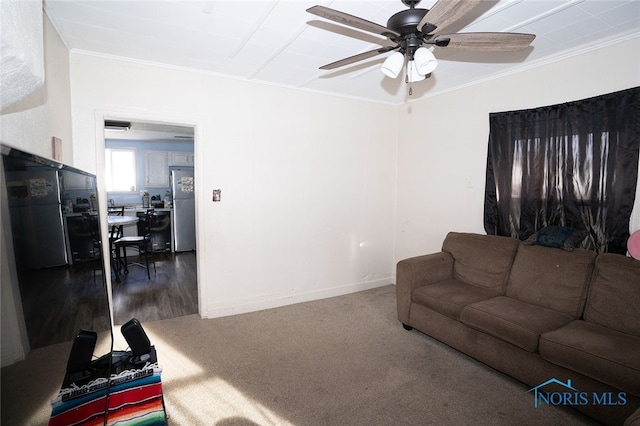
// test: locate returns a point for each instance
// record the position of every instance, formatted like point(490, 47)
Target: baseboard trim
point(248, 305)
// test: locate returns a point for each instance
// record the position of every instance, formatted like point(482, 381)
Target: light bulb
point(412, 73)
point(393, 65)
point(425, 61)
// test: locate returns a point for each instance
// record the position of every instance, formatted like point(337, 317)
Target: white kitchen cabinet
point(157, 169)
point(181, 159)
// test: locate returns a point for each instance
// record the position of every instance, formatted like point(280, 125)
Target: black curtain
point(573, 164)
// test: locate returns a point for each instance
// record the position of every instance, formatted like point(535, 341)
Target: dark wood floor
point(57, 302)
point(171, 292)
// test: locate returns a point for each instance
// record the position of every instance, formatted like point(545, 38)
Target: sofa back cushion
point(551, 277)
point(481, 260)
point(614, 294)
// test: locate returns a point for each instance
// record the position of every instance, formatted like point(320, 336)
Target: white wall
point(442, 142)
point(307, 180)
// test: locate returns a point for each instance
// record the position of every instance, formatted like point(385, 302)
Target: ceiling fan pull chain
point(406, 79)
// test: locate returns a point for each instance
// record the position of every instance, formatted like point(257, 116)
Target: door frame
point(125, 115)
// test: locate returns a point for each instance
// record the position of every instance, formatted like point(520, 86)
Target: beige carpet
point(339, 361)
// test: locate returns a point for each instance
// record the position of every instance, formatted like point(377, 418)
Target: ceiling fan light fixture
point(425, 61)
point(393, 65)
point(414, 33)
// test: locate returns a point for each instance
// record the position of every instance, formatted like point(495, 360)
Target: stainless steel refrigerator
point(36, 218)
point(184, 209)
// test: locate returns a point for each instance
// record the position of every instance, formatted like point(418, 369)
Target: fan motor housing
point(406, 21)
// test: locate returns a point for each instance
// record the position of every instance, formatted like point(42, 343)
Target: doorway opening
point(149, 167)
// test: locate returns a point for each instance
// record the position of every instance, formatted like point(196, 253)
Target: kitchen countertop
point(126, 209)
point(91, 213)
point(141, 209)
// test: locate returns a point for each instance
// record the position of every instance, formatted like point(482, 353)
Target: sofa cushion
point(552, 278)
point(614, 294)
point(481, 260)
point(451, 296)
point(597, 352)
point(513, 321)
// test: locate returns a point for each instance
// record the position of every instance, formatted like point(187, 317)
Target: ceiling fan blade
point(445, 12)
point(358, 57)
point(352, 21)
point(488, 42)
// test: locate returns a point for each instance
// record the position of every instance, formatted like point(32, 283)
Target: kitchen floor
point(171, 292)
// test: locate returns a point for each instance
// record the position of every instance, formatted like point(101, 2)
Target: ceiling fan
point(412, 30)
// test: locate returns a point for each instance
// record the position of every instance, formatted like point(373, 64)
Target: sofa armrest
point(417, 272)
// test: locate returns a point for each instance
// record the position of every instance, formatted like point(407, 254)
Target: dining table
point(121, 220)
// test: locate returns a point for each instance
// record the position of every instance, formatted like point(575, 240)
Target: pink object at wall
point(633, 245)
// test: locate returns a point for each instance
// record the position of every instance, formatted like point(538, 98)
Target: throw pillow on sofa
point(562, 237)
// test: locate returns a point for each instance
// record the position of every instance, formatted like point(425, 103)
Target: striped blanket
point(135, 398)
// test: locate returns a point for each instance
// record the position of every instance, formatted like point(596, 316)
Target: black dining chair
point(115, 210)
point(115, 233)
point(142, 243)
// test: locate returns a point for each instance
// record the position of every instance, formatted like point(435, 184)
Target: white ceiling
point(278, 42)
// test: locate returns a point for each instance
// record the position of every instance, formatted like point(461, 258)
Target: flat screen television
point(54, 276)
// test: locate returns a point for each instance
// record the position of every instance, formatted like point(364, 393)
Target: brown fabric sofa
point(536, 313)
